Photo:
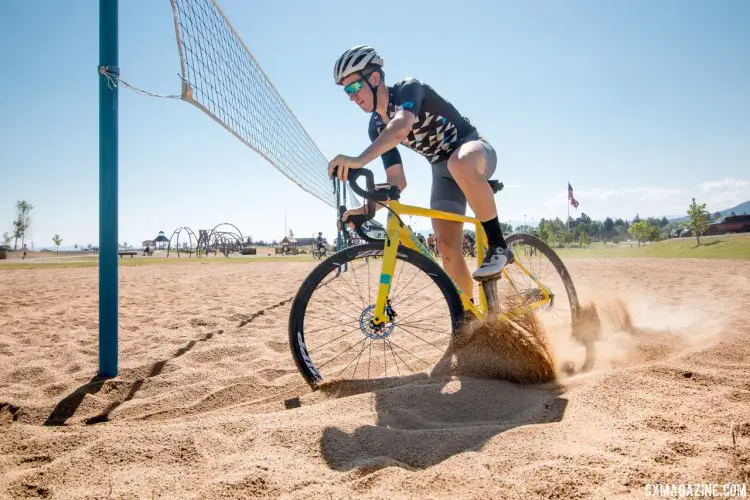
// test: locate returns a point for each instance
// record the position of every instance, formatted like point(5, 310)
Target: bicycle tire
point(562, 271)
point(564, 274)
point(305, 364)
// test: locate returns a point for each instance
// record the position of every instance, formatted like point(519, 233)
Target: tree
point(596, 230)
point(291, 233)
point(664, 222)
point(585, 239)
point(23, 219)
point(75, 246)
point(637, 218)
point(698, 219)
point(506, 228)
point(17, 233)
point(57, 240)
point(717, 215)
point(643, 231)
point(6, 238)
point(609, 225)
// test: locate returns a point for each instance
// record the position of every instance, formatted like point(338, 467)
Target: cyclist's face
point(363, 96)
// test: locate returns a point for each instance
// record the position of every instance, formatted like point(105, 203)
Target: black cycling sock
point(494, 233)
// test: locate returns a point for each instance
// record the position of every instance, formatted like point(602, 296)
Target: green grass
point(733, 246)
point(148, 261)
point(712, 247)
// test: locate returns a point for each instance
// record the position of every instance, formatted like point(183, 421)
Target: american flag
point(571, 199)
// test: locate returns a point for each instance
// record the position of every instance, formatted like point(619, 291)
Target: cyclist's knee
point(469, 163)
point(450, 249)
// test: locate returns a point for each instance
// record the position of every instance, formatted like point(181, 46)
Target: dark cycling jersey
point(438, 130)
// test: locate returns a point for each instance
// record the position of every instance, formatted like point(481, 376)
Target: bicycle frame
point(399, 233)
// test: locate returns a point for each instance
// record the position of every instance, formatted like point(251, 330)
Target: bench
point(127, 252)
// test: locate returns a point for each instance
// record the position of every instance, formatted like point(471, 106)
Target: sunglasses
point(354, 87)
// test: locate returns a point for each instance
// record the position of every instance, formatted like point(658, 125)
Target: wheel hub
point(376, 332)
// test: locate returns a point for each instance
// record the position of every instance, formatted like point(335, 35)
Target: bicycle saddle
point(496, 185)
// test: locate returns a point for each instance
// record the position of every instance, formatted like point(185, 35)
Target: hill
point(742, 208)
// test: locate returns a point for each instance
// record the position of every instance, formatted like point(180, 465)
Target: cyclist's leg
point(446, 196)
point(470, 166)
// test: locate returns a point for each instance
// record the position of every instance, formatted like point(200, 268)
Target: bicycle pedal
point(487, 279)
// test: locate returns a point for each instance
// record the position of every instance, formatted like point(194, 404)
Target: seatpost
point(490, 293)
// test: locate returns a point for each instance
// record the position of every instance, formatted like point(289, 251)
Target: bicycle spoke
point(411, 354)
point(358, 292)
point(335, 357)
point(309, 316)
point(398, 277)
point(412, 295)
point(346, 298)
point(425, 307)
point(424, 329)
point(340, 312)
point(307, 332)
point(350, 362)
point(395, 354)
point(359, 357)
point(420, 338)
point(405, 287)
point(330, 341)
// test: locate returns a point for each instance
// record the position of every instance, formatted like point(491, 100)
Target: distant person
point(25, 251)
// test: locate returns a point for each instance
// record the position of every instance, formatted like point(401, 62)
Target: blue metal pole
point(346, 266)
point(337, 184)
point(108, 59)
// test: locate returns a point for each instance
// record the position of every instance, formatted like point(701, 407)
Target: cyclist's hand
point(353, 211)
point(344, 163)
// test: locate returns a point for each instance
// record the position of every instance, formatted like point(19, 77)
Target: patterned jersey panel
point(438, 130)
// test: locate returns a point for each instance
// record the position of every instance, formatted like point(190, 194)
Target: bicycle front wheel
point(331, 334)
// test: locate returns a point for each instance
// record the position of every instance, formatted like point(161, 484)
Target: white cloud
point(602, 194)
point(724, 193)
point(725, 183)
point(599, 202)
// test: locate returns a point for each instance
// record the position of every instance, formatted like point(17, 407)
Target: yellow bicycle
point(395, 311)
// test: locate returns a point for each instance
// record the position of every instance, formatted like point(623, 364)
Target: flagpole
point(567, 221)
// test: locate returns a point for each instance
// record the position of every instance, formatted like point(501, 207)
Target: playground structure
point(224, 238)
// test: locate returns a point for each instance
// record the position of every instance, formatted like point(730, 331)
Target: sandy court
point(198, 409)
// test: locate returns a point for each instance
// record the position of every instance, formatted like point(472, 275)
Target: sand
point(198, 410)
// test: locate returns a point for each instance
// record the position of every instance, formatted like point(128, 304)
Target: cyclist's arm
point(393, 134)
point(408, 102)
point(395, 177)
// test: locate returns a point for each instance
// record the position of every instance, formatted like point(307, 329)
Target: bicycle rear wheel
point(330, 330)
point(558, 315)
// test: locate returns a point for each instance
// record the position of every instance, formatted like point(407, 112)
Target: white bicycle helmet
point(355, 60)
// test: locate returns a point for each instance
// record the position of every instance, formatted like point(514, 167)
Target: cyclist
point(412, 113)
point(319, 241)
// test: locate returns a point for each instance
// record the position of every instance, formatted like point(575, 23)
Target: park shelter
point(161, 242)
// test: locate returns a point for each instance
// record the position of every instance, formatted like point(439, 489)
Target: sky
point(640, 105)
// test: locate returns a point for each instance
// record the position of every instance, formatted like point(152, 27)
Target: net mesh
point(222, 78)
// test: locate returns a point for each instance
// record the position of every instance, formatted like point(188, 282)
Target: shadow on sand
point(422, 421)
